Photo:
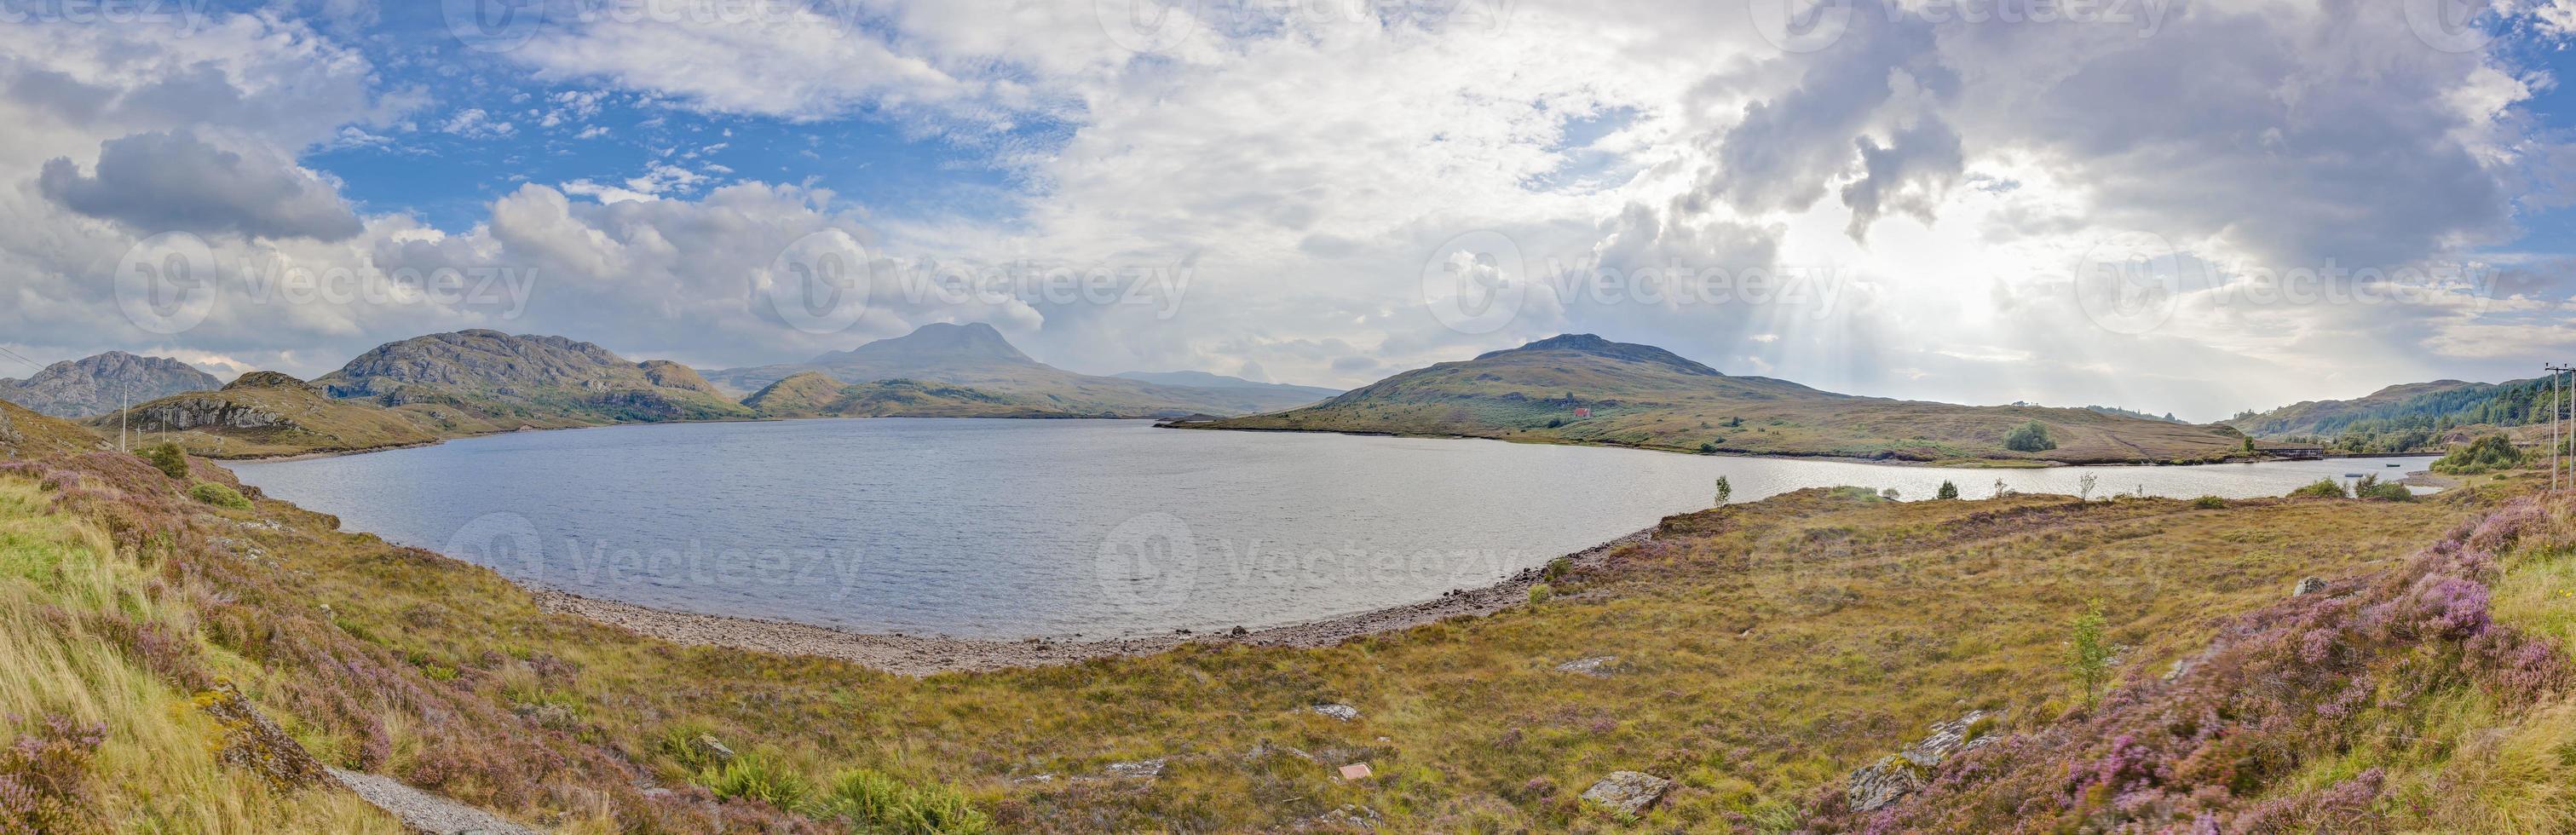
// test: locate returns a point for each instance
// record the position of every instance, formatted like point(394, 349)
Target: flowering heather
point(44, 777)
point(2211, 750)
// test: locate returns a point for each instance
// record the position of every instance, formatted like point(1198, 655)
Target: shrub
point(753, 777)
point(2030, 437)
point(1540, 593)
point(1724, 490)
point(2088, 652)
point(169, 459)
point(2370, 487)
point(2484, 455)
point(1948, 491)
point(44, 778)
point(2324, 488)
point(1708, 448)
point(1557, 568)
point(870, 801)
point(2209, 503)
point(219, 495)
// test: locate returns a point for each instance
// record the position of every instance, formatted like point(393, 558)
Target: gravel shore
point(918, 656)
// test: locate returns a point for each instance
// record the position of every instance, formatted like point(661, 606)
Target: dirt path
point(421, 811)
point(918, 656)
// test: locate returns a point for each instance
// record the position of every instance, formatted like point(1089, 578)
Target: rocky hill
point(25, 433)
point(1581, 388)
point(96, 385)
point(537, 380)
point(979, 357)
point(2406, 417)
point(809, 394)
point(267, 413)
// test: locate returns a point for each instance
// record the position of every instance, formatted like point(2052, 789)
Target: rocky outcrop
point(185, 413)
point(1627, 792)
point(100, 384)
point(266, 380)
point(1878, 784)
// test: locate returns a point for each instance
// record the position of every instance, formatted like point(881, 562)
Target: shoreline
point(1951, 463)
point(917, 656)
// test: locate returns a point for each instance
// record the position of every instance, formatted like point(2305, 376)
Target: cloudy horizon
point(2164, 205)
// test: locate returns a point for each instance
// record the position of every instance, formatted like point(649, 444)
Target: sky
point(2187, 206)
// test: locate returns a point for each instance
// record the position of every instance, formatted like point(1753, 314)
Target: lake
point(1019, 528)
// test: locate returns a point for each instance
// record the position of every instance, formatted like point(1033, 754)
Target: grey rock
point(708, 747)
point(1598, 666)
point(1338, 711)
point(1139, 769)
point(1878, 784)
point(1627, 792)
point(2307, 586)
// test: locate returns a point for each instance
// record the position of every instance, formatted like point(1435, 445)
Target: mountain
point(536, 380)
point(1202, 379)
point(266, 413)
point(1581, 388)
point(977, 356)
point(810, 394)
point(100, 384)
point(2407, 417)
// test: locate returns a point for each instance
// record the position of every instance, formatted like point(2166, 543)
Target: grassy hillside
point(810, 394)
point(2405, 418)
point(1762, 652)
point(1643, 396)
point(26, 434)
point(266, 413)
point(977, 356)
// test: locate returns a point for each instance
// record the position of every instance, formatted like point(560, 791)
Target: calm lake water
point(1020, 528)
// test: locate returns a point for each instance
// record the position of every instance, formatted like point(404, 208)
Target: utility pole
point(2558, 433)
point(124, 404)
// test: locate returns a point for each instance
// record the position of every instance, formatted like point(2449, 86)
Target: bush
point(870, 801)
point(2030, 437)
point(752, 777)
point(169, 459)
point(219, 495)
point(2324, 488)
point(2370, 487)
point(1540, 593)
point(2209, 503)
point(1948, 491)
point(2484, 455)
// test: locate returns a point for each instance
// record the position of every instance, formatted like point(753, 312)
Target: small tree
point(2084, 485)
point(169, 459)
point(1948, 491)
point(2249, 443)
point(1724, 490)
point(2001, 489)
point(2088, 652)
point(2029, 437)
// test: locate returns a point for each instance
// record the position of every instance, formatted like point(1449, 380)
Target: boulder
point(1627, 792)
point(1140, 769)
point(2307, 586)
point(1338, 711)
point(1878, 784)
point(708, 748)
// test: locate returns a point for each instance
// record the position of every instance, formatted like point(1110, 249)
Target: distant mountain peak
point(943, 339)
point(1593, 344)
point(102, 383)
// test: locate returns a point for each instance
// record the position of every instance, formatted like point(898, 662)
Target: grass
point(1764, 650)
point(66, 595)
